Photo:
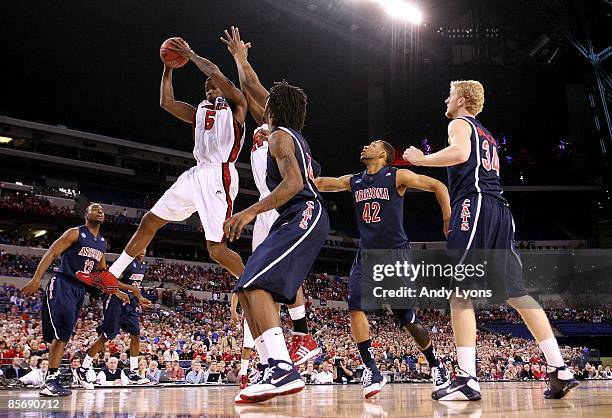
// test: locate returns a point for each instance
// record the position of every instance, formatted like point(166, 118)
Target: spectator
point(36, 377)
point(153, 373)
point(538, 372)
point(177, 373)
point(309, 374)
point(112, 375)
point(229, 341)
point(341, 373)
point(142, 373)
point(171, 354)
point(15, 371)
point(124, 361)
point(213, 375)
point(526, 372)
point(196, 375)
point(166, 373)
point(232, 375)
point(324, 376)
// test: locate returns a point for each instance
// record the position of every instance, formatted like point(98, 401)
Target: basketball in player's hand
point(169, 56)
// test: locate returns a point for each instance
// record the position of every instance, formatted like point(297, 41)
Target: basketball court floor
point(520, 399)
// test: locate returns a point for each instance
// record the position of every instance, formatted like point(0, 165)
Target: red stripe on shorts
point(227, 181)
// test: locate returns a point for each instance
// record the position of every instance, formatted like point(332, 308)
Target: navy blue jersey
point(309, 168)
point(84, 255)
point(134, 274)
point(379, 209)
point(480, 173)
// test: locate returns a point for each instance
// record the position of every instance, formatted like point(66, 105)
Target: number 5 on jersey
point(209, 119)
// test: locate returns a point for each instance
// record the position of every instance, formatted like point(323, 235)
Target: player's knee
point(152, 222)
point(217, 251)
point(404, 318)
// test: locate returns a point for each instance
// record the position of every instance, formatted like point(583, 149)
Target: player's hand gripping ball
point(169, 56)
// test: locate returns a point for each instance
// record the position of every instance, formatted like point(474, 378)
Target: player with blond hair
point(481, 220)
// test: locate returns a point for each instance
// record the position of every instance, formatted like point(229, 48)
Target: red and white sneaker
point(244, 381)
point(102, 280)
point(303, 348)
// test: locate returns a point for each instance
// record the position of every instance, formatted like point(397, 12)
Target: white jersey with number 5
point(210, 187)
point(259, 162)
point(217, 134)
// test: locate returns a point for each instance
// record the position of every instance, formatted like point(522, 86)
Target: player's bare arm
point(181, 110)
point(333, 184)
point(255, 93)
point(406, 179)
point(458, 151)
point(228, 90)
point(234, 310)
point(282, 149)
point(55, 250)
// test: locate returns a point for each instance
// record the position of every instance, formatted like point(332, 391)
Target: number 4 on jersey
point(370, 214)
point(487, 163)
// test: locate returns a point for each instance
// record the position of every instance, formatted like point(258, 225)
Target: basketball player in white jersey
point(303, 346)
point(211, 186)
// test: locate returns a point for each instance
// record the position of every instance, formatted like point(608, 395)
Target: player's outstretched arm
point(181, 110)
point(333, 184)
point(55, 250)
point(255, 93)
point(227, 88)
point(281, 149)
point(458, 151)
point(407, 179)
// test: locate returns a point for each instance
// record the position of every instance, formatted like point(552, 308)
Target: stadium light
point(402, 10)
point(5, 139)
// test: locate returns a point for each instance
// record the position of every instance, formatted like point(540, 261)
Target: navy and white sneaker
point(52, 387)
point(280, 378)
point(255, 378)
point(81, 378)
point(373, 382)
point(557, 387)
point(440, 377)
point(463, 388)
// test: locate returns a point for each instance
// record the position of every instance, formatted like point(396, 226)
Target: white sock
point(120, 264)
point(466, 357)
point(133, 363)
point(261, 350)
point(275, 344)
point(553, 357)
point(244, 367)
point(298, 312)
point(87, 361)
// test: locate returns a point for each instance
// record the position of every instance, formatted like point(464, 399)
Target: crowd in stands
point(25, 239)
point(196, 343)
point(189, 277)
point(32, 204)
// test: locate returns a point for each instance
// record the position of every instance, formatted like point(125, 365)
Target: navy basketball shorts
point(62, 304)
point(281, 263)
point(482, 231)
point(361, 286)
point(119, 316)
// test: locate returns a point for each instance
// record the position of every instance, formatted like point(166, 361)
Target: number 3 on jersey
point(370, 214)
point(487, 162)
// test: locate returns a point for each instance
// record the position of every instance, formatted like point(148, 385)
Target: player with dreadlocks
point(277, 268)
